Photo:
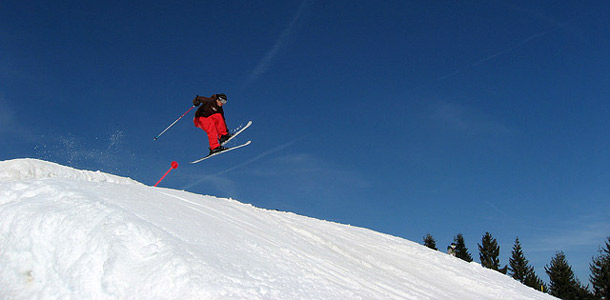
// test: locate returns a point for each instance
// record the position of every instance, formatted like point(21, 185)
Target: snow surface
point(72, 234)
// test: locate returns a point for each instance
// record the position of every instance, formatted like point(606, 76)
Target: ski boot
point(224, 138)
point(217, 149)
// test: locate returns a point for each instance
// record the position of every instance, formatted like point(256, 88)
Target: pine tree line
point(563, 283)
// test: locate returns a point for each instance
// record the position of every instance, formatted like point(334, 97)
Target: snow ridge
point(33, 169)
point(71, 234)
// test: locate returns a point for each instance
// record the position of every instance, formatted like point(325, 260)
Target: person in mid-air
point(211, 118)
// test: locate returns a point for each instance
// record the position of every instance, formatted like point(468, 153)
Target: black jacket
point(208, 107)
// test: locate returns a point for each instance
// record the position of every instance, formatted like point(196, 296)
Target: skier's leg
point(207, 124)
point(219, 123)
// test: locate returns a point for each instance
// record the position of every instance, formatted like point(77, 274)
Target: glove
point(196, 101)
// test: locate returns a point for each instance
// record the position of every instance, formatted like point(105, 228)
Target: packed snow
point(73, 234)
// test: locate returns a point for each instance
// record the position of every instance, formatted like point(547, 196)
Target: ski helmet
point(222, 98)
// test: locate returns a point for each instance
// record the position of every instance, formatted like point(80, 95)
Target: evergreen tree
point(600, 273)
point(518, 264)
point(522, 271)
point(430, 242)
point(532, 280)
point(460, 250)
point(489, 253)
point(585, 294)
point(563, 283)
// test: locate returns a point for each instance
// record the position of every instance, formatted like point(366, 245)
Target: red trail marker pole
point(174, 166)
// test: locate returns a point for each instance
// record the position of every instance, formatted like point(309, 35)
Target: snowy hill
point(72, 234)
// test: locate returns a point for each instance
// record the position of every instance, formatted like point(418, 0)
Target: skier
point(451, 249)
point(211, 118)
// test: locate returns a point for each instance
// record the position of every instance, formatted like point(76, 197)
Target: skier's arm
point(200, 99)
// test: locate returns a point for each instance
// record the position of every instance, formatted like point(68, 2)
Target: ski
point(224, 151)
point(239, 130)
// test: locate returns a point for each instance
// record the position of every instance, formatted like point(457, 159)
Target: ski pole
point(168, 127)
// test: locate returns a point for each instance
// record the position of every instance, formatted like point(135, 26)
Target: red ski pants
point(214, 126)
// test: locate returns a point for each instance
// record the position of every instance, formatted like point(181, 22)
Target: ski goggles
point(222, 100)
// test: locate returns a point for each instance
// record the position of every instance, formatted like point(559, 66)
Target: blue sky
point(406, 117)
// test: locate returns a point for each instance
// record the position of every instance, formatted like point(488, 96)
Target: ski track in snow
point(73, 234)
point(335, 272)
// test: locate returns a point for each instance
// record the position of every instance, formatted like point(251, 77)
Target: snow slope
point(72, 234)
